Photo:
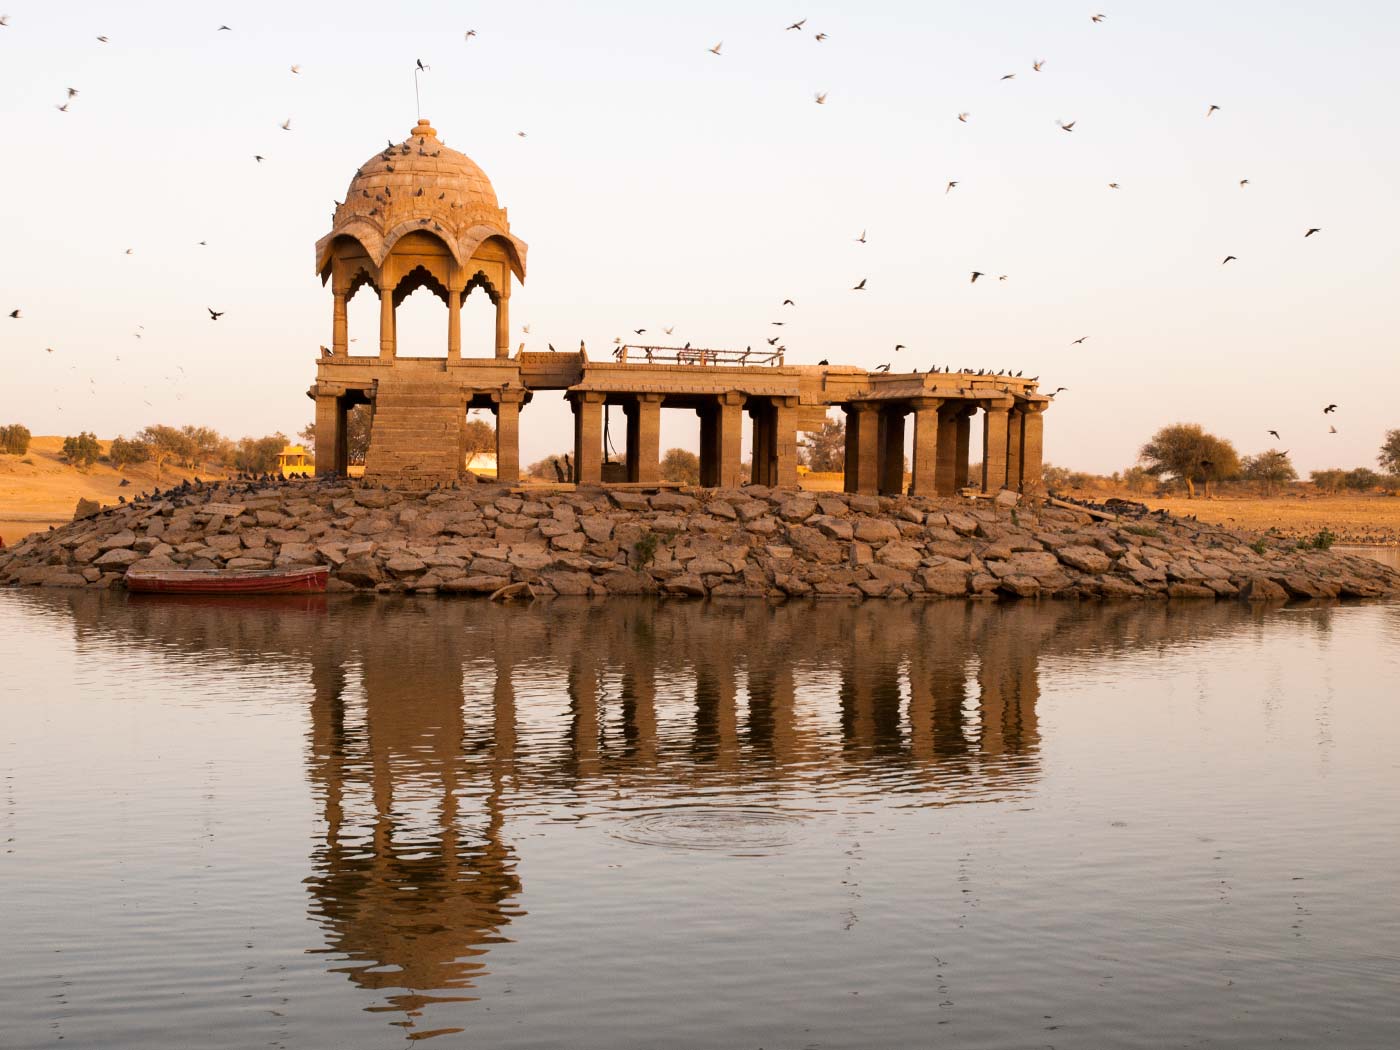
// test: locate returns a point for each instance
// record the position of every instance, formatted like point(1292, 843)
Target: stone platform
point(750, 542)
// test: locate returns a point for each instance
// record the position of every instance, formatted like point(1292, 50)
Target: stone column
point(340, 335)
point(730, 422)
point(760, 416)
point(892, 451)
point(862, 448)
point(784, 442)
point(994, 445)
point(644, 439)
point(709, 446)
point(508, 404)
point(924, 469)
point(330, 433)
point(1013, 449)
point(454, 325)
point(945, 480)
point(386, 324)
point(963, 440)
point(588, 437)
point(503, 324)
point(1032, 442)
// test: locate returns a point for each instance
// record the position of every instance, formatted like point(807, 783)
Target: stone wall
point(747, 542)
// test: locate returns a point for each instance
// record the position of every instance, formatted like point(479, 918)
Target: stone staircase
point(415, 434)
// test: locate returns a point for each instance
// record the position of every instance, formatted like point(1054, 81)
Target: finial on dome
point(423, 128)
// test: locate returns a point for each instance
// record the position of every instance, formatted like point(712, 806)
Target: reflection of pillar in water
point(1010, 689)
point(585, 727)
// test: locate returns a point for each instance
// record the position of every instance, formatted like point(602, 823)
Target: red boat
point(309, 579)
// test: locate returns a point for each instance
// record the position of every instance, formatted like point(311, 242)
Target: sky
point(660, 185)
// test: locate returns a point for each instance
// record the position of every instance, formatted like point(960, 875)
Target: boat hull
point(310, 580)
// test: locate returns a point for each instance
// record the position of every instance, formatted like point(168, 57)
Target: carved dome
point(420, 184)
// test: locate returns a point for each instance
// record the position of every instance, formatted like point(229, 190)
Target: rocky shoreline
point(750, 542)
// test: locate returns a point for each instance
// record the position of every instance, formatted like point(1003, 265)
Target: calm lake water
point(359, 823)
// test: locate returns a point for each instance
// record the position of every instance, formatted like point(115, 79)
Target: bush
point(81, 451)
point(14, 439)
point(644, 550)
point(125, 451)
point(258, 455)
point(680, 465)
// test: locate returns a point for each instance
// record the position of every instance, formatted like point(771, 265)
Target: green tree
point(1389, 459)
point(357, 421)
point(125, 451)
point(1362, 479)
point(81, 451)
point(14, 439)
point(164, 444)
point(479, 437)
point(1185, 452)
point(1270, 469)
point(203, 446)
point(679, 465)
point(551, 468)
point(1328, 480)
point(258, 455)
point(824, 450)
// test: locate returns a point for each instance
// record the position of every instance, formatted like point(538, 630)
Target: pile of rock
point(749, 542)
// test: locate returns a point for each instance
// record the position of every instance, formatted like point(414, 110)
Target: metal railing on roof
point(696, 356)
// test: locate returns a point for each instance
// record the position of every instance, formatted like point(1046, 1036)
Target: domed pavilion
point(418, 214)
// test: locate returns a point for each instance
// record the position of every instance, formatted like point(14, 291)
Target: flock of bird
point(798, 26)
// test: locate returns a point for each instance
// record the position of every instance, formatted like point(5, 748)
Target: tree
point(258, 455)
point(1185, 451)
point(1270, 469)
point(81, 451)
point(480, 436)
point(679, 465)
point(164, 444)
point(824, 450)
point(1328, 480)
point(357, 421)
point(551, 468)
point(1362, 479)
point(14, 439)
point(1389, 459)
point(203, 446)
point(125, 451)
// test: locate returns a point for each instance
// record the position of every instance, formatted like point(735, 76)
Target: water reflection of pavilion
point(433, 724)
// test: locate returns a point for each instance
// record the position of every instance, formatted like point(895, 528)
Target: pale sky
point(661, 185)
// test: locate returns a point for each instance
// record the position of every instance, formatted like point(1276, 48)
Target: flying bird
point(469, 34)
point(963, 117)
point(102, 40)
point(525, 328)
point(638, 331)
point(1059, 389)
point(258, 157)
point(1244, 183)
point(223, 29)
point(14, 314)
point(296, 69)
point(520, 134)
point(798, 24)
point(214, 315)
point(976, 274)
point(1227, 259)
point(1211, 110)
point(821, 98)
point(287, 124)
point(1009, 76)
point(819, 37)
point(668, 331)
point(1067, 127)
point(882, 368)
point(131, 251)
point(63, 108)
point(788, 302)
point(1079, 341)
point(715, 50)
point(861, 238)
point(1097, 18)
point(1275, 433)
point(1038, 64)
point(949, 188)
point(1002, 277)
point(899, 346)
point(1113, 185)
point(1331, 430)
point(860, 287)
point(1315, 229)
point(72, 92)
point(774, 340)
point(1325, 411)
point(423, 67)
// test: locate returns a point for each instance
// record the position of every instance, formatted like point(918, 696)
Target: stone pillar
point(760, 416)
point(862, 448)
point(784, 442)
point(1032, 446)
point(892, 451)
point(963, 441)
point(709, 447)
point(503, 324)
point(340, 335)
point(1013, 449)
point(994, 445)
point(924, 469)
point(386, 324)
point(728, 440)
point(644, 438)
point(454, 325)
point(588, 437)
point(330, 434)
point(508, 404)
point(945, 480)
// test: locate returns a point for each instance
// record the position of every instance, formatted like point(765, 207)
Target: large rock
point(125, 538)
point(1262, 589)
point(948, 579)
point(876, 530)
point(360, 571)
point(687, 586)
point(1085, 559)
point(899, 555)
point(672, 501)
point(475, 584)
point(798, 508)
point(119, 557)
point(568, 583)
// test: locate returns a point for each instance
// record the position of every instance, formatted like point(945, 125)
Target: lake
point(359, 823)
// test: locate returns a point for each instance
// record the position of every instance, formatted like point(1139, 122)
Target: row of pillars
point(721, 421)
point(1012, 441)
point(388, 339)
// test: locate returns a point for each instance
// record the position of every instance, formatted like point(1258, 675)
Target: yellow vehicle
point(294, 462)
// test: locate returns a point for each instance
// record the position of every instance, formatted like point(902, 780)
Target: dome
point(420, 184)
